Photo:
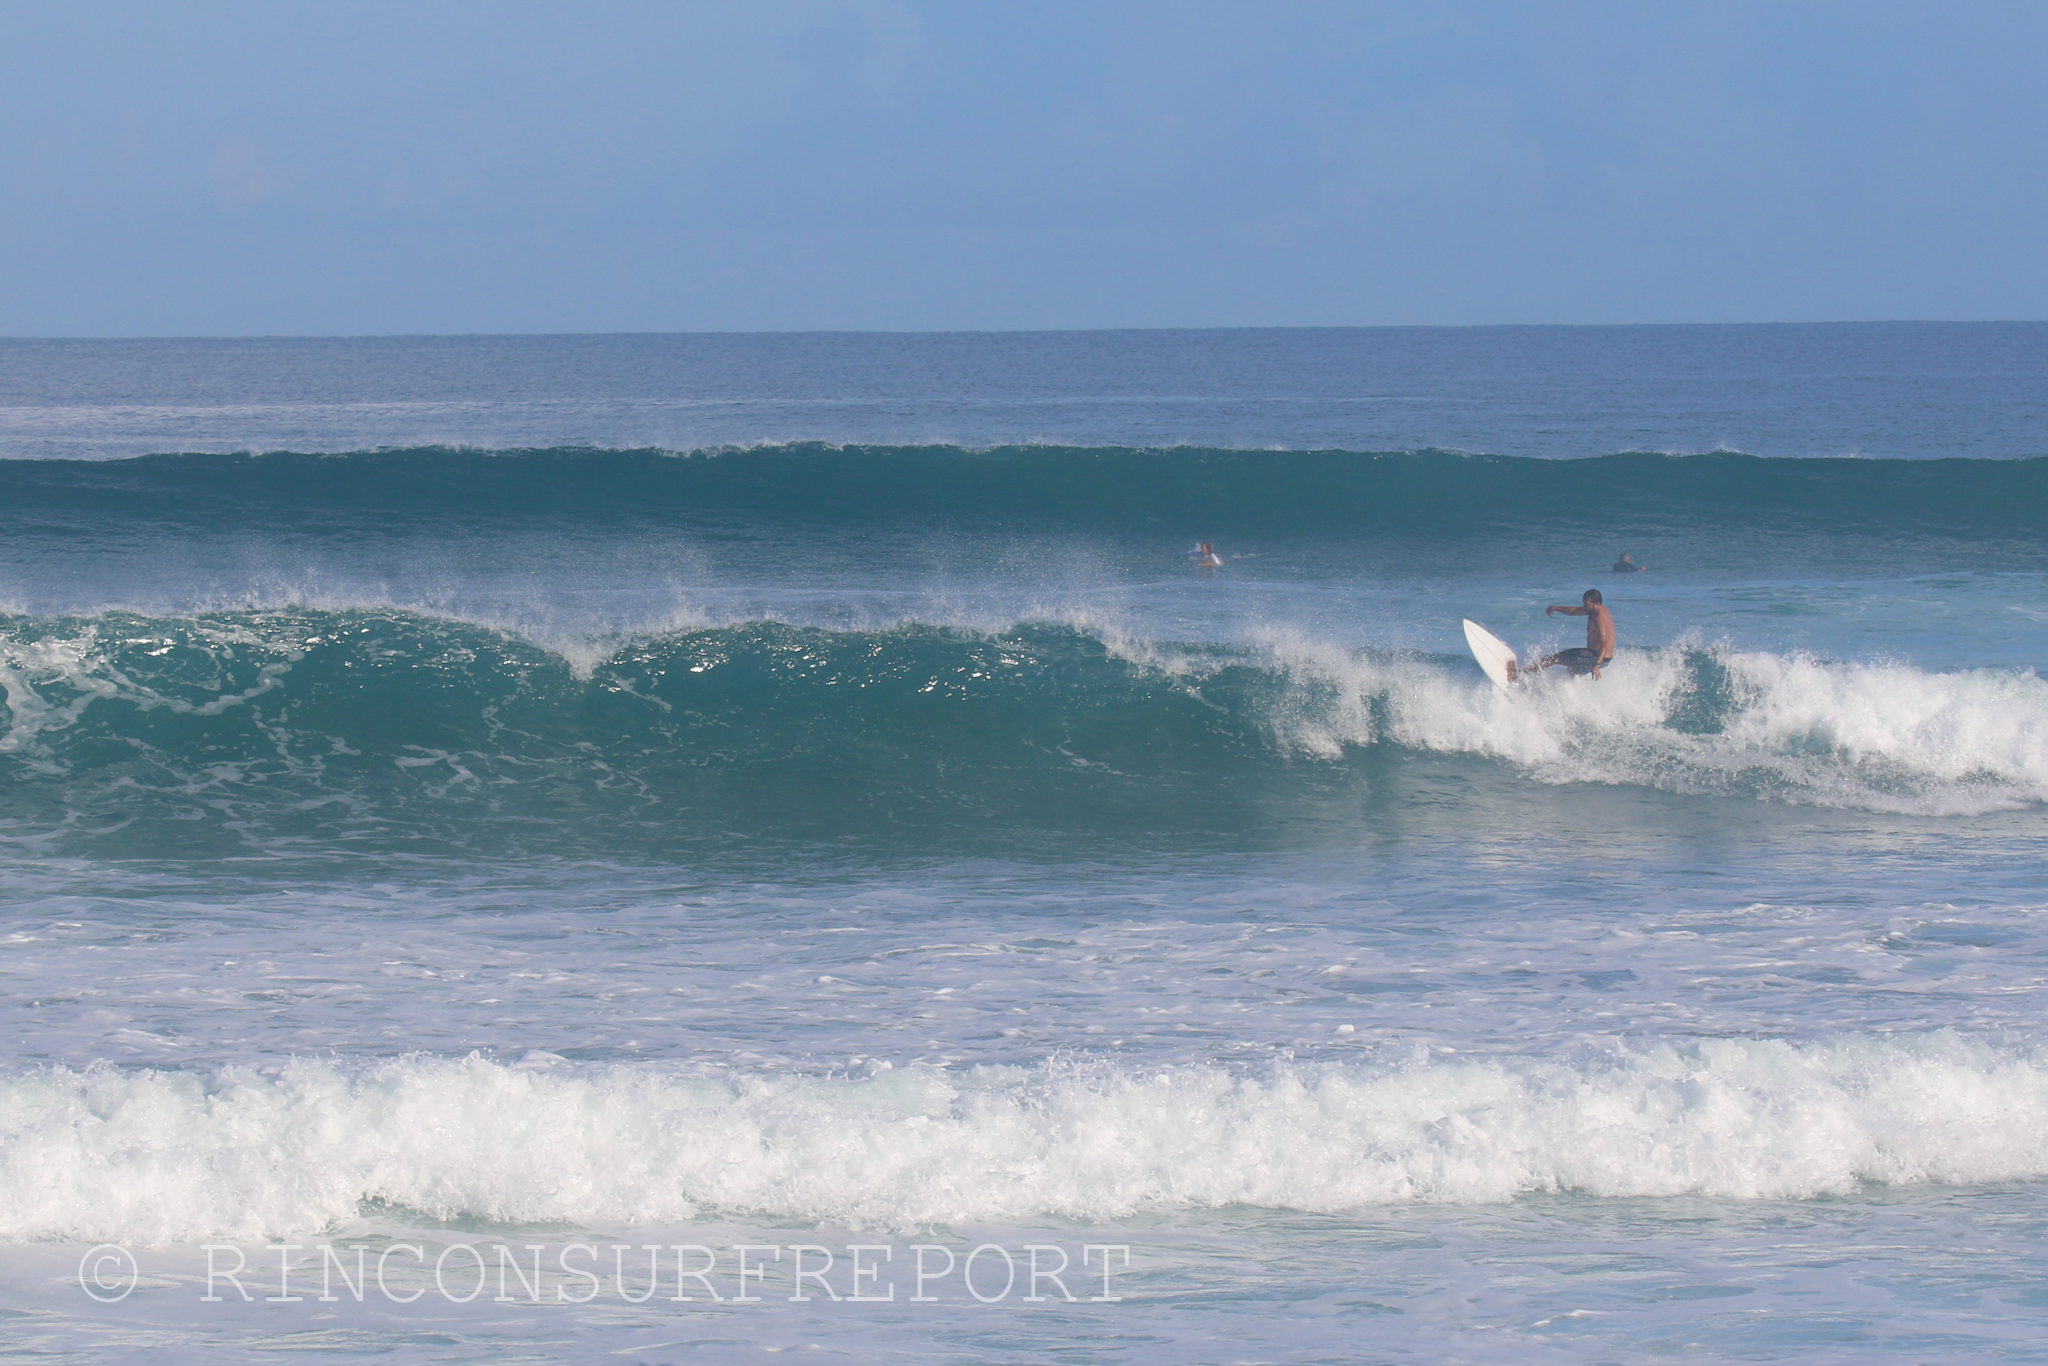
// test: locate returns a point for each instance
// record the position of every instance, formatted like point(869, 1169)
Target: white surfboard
point(1493, 653)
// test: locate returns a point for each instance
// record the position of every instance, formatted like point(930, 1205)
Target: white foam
point(1871, 736)
point(81, 663)
point(160, 1156)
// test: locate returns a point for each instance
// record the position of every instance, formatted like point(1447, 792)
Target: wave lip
point(155, 1157)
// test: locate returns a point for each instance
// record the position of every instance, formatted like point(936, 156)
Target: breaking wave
point(361, 725)
point(163, 1157)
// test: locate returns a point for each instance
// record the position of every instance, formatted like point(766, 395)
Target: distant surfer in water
point(1625, 565)
point(1599, 647)
point(1205, 556)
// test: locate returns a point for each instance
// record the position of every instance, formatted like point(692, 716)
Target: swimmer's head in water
point(1591, 597)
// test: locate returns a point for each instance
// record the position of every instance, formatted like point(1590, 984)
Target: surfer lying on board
point(1599, 647)
point(1625, 565)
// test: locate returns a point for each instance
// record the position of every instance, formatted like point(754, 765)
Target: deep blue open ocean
point(663, 795)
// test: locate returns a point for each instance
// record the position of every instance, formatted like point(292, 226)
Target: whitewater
point(169, 1158)
point(479, 796)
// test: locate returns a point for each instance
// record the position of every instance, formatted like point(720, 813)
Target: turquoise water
point(533, 802)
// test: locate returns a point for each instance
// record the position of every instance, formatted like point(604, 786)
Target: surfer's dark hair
point(1590, 595)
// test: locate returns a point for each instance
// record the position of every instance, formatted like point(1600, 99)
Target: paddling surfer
point(1599, 647)
point(1625, 565)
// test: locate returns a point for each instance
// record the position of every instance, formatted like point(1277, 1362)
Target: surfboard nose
point(1495, 656)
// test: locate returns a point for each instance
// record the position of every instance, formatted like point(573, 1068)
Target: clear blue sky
point(217, 168)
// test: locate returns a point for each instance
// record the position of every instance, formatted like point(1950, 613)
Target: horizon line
point(1008, 331)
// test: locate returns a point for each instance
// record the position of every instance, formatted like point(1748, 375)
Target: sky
point(211, 168)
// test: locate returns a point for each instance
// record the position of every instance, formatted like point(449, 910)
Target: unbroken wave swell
point(367, 724)
point(164, 1157)
point(1433, 493)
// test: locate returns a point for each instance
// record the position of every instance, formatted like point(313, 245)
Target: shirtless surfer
point(1599, 647)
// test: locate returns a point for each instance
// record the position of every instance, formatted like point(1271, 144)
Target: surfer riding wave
point(1599, 647)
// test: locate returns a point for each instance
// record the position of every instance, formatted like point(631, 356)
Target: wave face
point(151, 1157)
point(1263, 493)
point(365, 727)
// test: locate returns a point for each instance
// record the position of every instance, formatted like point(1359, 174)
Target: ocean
point(670, 848)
